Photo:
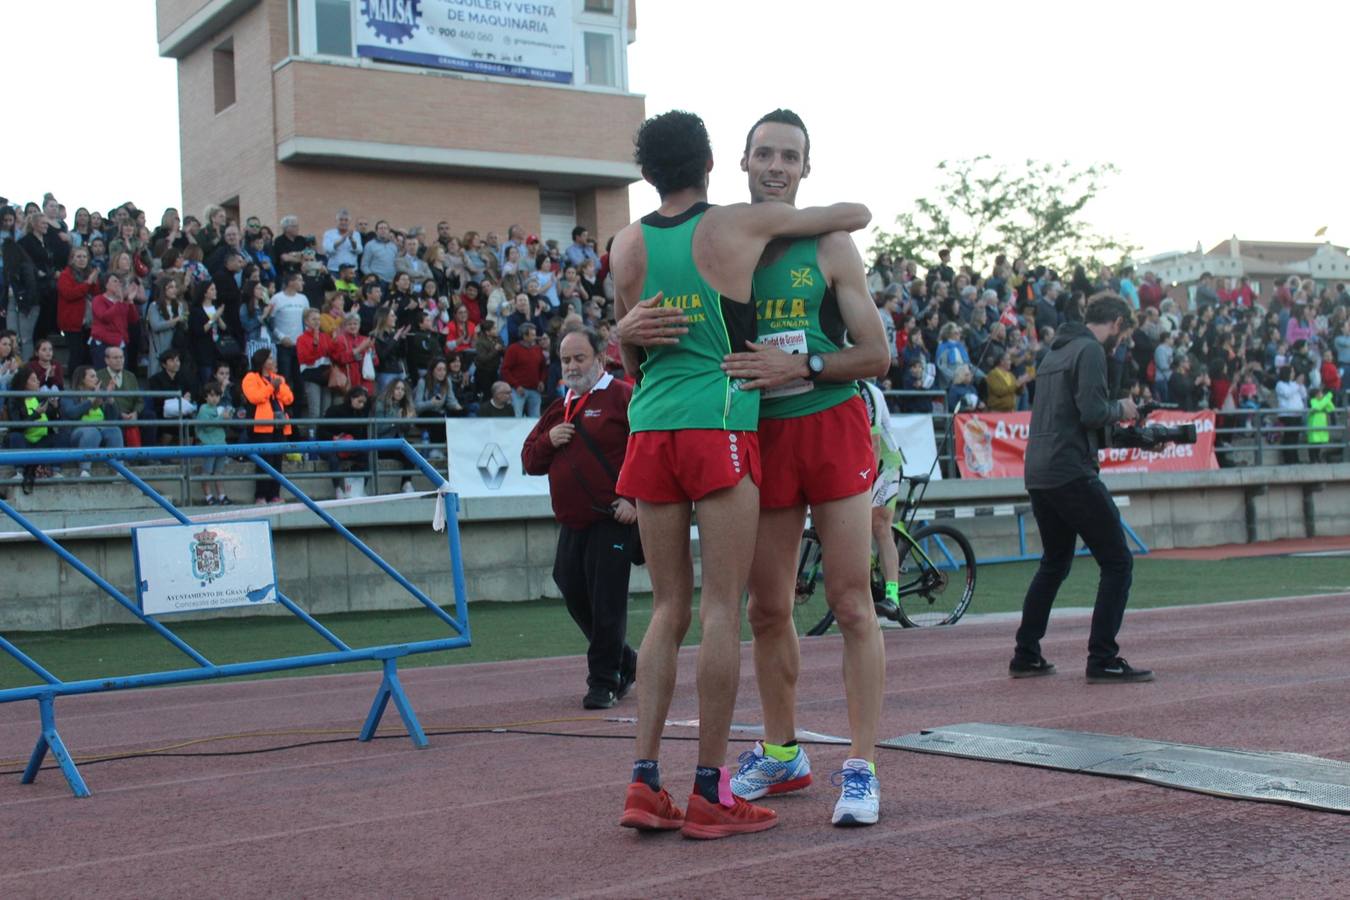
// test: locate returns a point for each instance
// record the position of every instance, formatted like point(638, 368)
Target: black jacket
point(1070, 412)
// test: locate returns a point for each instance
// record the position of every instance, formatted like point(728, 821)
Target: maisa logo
point(393, 20)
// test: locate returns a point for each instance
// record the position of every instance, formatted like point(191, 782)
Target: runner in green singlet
point(693, 441)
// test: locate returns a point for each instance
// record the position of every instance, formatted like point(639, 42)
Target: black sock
point(706, 781)
point(791, 743)
point(648, 772)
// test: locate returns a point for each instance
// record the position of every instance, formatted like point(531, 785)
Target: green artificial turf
point(540, 628)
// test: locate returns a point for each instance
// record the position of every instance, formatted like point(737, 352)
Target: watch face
point(816, 363)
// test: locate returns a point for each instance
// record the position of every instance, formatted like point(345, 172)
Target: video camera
point(1151, 437)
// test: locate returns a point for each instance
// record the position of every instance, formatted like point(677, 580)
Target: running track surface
point(509, 815)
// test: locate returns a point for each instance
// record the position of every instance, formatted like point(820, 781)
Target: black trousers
point(1081, 508)
point(592, 569)
point(267, 488)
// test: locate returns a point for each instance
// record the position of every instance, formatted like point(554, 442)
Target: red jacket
point(112, 320)
point(579, 486)
point(311, 348)
point(1331, 376)
point(71, 298)
point(524, 367)
point(457, 340)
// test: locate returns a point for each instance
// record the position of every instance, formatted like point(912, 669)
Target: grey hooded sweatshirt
point(1070, 412)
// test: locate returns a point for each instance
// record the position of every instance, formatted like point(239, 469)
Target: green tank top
point(797, 311)
point(683, 386)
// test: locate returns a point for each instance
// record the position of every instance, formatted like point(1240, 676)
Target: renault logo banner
point(484, 458)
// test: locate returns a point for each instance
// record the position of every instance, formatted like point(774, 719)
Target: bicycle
point(932, 559)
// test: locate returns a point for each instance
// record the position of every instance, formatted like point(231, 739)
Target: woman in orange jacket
point(269, 395)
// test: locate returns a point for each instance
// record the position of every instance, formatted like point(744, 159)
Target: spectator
point(472, 300)
point(94, 411)
point(422, 346)
point(962, 390)
point(171, 377)
point(581, 250)
point(1291, 394)
point(209, 434)
point(1205, 295)
point(1320, 408)
point(231, 244)
point(1186, 391)
point(255, 316)
point(394, 403)
point(19, 293)
point(1299, 327)
point(372, 301)
point(346, 285)
point(34, 411)
point(404, 303)
point(388, 352)
point(75, 290)
point(268, 395)
point(342, 244)
point(288, 248)
point(1004, 387)
point(1163, 357)
point(212, 233)
point(124, 382)
point(114, 314)
point(51, 376)
point(461, 335)
point(34, 243)
point(168, 317)
point(951, 353)
point(10, 360)
point(408, 261)
point(378, 257)
point(205, 327)
point(356, 405)
point(349, 351)
point(525, 369)
point(314, 353)
point(317, 285)
point(287, 323)
point(500, 404)
point(434, 397)
point(474, 263)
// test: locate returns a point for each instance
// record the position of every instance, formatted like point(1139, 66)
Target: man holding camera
point(1069, 420)
point(580, 445)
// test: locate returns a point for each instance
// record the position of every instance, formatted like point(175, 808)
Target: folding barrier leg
point(391, 688)
point(50, 739)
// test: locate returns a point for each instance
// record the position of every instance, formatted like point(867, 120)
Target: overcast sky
point(1222, 118)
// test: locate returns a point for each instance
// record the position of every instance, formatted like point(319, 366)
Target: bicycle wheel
point(937, 576)
point(810, 614)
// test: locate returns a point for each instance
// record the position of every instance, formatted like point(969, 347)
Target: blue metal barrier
point(390, 688)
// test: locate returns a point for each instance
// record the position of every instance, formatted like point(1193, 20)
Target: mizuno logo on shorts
point(735, 451)
point(864, 473)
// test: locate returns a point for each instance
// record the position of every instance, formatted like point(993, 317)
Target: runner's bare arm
point(867, 356)
point(729, 241)
point(628, 265)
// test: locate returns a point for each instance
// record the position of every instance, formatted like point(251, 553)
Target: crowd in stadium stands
point(977, 339)
point(244, 321)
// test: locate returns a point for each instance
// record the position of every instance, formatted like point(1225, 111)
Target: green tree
point(983, 208)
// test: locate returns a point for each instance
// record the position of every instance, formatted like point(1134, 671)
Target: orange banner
point(994, 445)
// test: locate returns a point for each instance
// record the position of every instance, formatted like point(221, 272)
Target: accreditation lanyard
point(570, 411)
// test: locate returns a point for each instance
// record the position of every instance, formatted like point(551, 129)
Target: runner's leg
point(844, 527)
point(776, 651)
point(665, 535)
point(727, 521)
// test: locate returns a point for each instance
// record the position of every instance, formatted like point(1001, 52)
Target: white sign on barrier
point(914, 434)
point(483, 458)
point(187, 568)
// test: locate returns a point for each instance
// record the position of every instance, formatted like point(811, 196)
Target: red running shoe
point(707, 821)
point(649, 810)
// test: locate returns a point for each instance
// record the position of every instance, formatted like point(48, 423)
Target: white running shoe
point(860, 794)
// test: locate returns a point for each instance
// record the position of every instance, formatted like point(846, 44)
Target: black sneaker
point(626, 680)
point(598, 698)
point(1116, 671)
point(1022, 668)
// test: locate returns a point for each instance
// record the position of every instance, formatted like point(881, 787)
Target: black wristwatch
point(815, 365)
